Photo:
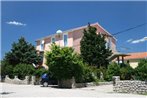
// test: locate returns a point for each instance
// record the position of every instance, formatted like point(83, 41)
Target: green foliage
point(93, 49)
point(113, 70)
point(6, 69)
point(142, 62)
point(141, 70)
point(90, 74)
point(104, 72)
point(126, 72)
point(22, 70)
point(64, 63)
point(40, 71)
point(22, 52)
point(95, 71)
point(18, 60)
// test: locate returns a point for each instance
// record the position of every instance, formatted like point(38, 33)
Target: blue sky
point(34, 20)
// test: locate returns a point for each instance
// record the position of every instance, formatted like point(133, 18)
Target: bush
point(90, 74)
point(126, 72)
point(6, 69)
point(113, 70)
point(64, 63)
point(40, 71)
point(22, 70)
point(141, 70)
point(104, 72)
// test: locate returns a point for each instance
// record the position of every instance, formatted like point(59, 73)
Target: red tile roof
point(138, 55)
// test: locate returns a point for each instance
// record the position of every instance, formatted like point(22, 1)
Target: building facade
point(71, 38)
point(134, 58)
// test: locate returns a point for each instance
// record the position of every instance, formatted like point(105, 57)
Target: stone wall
point(16, 80)
point(79, 85)
point(128, 86)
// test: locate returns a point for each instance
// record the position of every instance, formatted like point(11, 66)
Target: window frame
point(109, 42)
point(54, 39)
point(66, 34)
point(42, 45)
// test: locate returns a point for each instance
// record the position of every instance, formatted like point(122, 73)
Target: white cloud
point(16, 23)
point(139, 40)
point(129, 40)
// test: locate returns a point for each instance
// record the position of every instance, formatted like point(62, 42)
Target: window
point(106, 45)
point(42, 45)
point(65, 39)
point(53, 39)
point(109, 42)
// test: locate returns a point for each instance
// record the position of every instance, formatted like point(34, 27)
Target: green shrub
point(104, 72)
point(96, 72)
point(113, 70)
point(64, 63)
point(141, 70)
point(123, 65)
point(142, 62)
point(90, 74)
point(126, 72)
point(40, 71)
point(6, 69)
point(22, 70)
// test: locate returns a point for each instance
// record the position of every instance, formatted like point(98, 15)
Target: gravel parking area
point(13, 90)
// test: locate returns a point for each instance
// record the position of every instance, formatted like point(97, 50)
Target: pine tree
point(22, 52)
point(93, 48)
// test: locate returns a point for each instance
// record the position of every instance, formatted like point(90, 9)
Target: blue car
point(46, 80)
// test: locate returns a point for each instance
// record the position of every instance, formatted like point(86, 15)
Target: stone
point(129, 86)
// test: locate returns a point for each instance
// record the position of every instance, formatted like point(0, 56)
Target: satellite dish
point(59, 31)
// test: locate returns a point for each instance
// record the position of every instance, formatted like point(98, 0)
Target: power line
point(130, 29)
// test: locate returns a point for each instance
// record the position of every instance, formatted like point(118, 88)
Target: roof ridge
point(77, 28)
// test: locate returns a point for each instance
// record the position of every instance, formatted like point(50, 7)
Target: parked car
point(47, 79)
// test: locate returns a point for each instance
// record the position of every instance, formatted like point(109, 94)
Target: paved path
point(12, 90)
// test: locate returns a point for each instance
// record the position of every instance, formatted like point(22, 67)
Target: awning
point(116, 55)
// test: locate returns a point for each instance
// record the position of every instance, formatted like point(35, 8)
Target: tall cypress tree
point(93, 48)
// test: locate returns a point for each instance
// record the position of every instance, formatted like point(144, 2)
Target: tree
point(141, 70)
point(64, 63)
point(93, 49)
point(22, 52)
point(126, 72)
point(113, 70)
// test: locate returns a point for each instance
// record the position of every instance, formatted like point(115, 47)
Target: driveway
point(13, 90)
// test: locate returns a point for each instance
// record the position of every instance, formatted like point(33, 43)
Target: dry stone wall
point(128, 86)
